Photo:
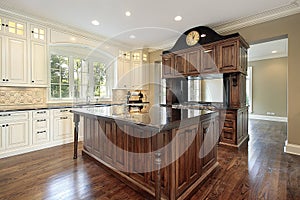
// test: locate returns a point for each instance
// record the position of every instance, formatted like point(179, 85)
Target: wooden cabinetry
point(234, 126)
point(226, 56)
point(235, 90)
point(209, 62)
point(168, 65)
point(128, 149)
point(232, 56)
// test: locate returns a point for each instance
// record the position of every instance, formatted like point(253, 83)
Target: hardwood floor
point(260, 170)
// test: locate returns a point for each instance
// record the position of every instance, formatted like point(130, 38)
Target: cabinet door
point(16, 67)
point(209, 64)
point(187, 149)
point(17, 134)
point(63, 127)
point(2, 136)
point(180, 64)
point(2, 65)
point(39, 63)
point(168, 65)
point(228, 56)
point(193, 62)
point(209, 140)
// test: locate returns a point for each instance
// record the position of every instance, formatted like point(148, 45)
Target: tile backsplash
point(19, 96)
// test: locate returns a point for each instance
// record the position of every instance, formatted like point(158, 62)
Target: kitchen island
point(165, 153)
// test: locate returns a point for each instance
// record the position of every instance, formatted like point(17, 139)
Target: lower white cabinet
point(14, 130)
point(62, 124)
point(25, 131)
point(40, 127)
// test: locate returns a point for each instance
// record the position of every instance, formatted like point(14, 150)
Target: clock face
point(192, 38)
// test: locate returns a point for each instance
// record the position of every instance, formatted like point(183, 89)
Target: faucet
point(88, 99)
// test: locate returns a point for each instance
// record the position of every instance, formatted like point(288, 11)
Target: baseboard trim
point(269, 118)
point(292, 148)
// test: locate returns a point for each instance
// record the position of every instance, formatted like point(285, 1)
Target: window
point(60, 80)
point(100, 80)
point(194, 90)
point(78, 78)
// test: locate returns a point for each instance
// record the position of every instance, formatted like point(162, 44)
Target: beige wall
point(270, 86)
point(284, 26)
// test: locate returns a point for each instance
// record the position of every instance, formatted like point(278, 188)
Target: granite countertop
point(160, 117)
point(52, 106)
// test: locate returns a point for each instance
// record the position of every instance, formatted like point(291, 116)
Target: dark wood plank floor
point(260, 170)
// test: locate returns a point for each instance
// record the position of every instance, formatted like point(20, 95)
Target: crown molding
point(284, 11)
point(6, 12)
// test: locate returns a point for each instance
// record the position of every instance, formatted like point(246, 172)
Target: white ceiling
point(264, 50)
point(152, 21)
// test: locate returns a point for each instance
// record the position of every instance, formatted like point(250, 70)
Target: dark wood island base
point(161, 162)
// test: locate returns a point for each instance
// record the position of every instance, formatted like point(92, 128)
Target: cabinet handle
point(39, 132)
point(63, 110)
point(207, 51)
point(41, 120)
point(63, 117)
point(41, 112)
point(5, 115)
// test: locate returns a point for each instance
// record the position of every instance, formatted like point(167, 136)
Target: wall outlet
point(271, 113)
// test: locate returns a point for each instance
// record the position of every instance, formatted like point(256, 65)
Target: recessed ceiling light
point(72, 38)
point(127, 13)
point(95, 22)
point(203, 35)
point(178, 18)
point(274, 51)
point(132, 36)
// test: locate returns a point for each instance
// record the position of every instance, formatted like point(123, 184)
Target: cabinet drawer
point(13, 116)
point(230, 115)
point(229, 123)
point(40, 123)
point(40, 136)
point(40, 114)
point(59, 112)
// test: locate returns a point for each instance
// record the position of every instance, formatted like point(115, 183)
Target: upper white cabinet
point(38, 51)
point(23, 58)
point(11, 27)
point(133, 70)
point(13, 61)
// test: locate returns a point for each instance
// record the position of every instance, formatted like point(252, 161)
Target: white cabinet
point(40, 127)
point(14, 132)
point(133, 70)
point(14, 61)
point(62, 125)
point(38, 51)
point(39, 72)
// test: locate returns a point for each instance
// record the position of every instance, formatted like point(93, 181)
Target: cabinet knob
point(3, 125)
point(3, 79)
point(6, 80)
point(32, 31)
point(6, 124)
point(3, 24)
point(32, 81)
point(6, 25)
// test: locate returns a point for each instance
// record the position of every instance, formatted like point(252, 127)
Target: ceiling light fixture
point(72, 38)
point(132, 36)
point(178, 18)
point(127, 13)
point(274, 51)
point(95, 22)
point(203, 35)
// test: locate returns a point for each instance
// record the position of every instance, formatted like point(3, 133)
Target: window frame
point(90, 96)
